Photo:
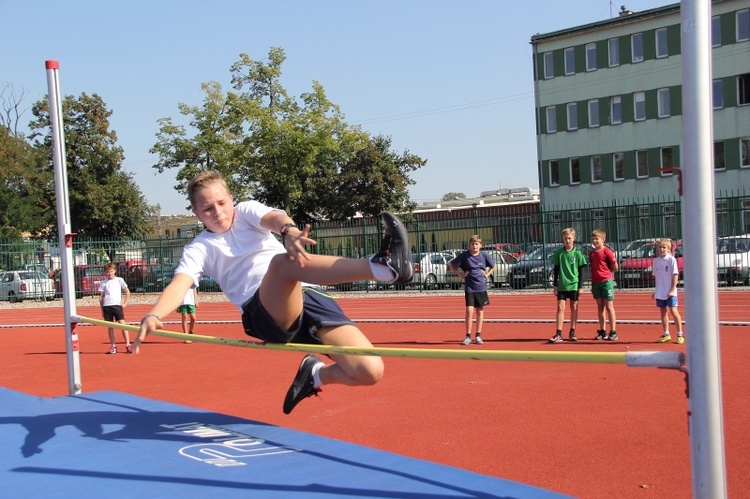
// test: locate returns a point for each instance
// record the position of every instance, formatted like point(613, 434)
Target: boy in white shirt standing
point(110, 299)
point(666, 275)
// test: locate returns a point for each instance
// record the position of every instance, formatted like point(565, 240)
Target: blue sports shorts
point(669, 302)
point(318, 311)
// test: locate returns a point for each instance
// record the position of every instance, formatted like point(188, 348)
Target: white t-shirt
point(112, 289)
point(237, 259)
point(663, 270)
point(189, 297)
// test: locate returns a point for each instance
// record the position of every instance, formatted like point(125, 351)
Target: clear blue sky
point(451, 81)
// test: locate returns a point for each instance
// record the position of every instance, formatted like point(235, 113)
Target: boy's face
point(110, 273)
point(213, 206)
point(597, 241)
point(568, 240)
point(662, 248)
point(475, 247)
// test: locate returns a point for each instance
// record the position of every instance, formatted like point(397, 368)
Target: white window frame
point(742, 25)
point(662, 43)
point(551, 119)
point(570, 63)
point(636, 39)
point(593, 108)
point(639, 155)
point(596, 168)
point(716, 31)
point(615, 101)
point(662, 152)
point(572, 115)
point(639, 106)
point(613, 52)
point(662, 98)
point(549, 65)
point(591, 57)
point(572, 168)
point(717, 93)
point(618, 156)
point(556, 163)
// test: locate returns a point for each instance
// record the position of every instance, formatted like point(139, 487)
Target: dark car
point(536, 267)
point(638, 270)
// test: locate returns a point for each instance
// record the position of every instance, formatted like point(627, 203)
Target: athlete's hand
point(294, 243)
point(148, 324)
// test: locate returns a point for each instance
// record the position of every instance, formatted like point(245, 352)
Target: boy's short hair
point(476, 238)
point(599, 232)
point(109, 265)
point(569, 230)
point(201, 181)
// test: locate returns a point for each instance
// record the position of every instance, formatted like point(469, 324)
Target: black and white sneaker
point(394, 250)
point(303, 385)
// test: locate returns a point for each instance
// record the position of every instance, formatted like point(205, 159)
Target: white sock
point(679, 333)
point(381, 272)
point(316, 375)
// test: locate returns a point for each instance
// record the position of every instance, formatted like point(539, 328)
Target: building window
point(716, 31)
point(639, 106)
point(743, 25)
point(641, 158)
point(722, 217)
point(719, 163)
point(575, 170)
point(618, 164)
point(596, 168)
point(636, 46)
point(743, 89)
point(663, 102)
point(613, 50)
point(591, 57)
point(666, 161)
point(572, 116)
point(549, 65)
point(718, 94)
point(662, 48)
point(615, 110)
point(745, 152)
point(594, 113)
point(554, 172)
point(570, 61)
point(551, 119)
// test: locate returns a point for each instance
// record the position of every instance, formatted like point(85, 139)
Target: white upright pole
point(699, 236)
point(63, 226)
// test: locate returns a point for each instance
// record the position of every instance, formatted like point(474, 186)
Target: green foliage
point(299, 155)
point(452, 196)
point(104, 200)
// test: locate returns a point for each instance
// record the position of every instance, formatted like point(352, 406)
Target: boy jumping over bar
point(263, 278)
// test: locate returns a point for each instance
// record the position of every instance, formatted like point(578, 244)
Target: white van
point(733, 259)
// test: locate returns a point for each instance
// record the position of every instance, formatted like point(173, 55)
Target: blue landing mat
point(119, 445)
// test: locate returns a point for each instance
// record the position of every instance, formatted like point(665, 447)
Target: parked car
point(39, 267)
point(431, 270)
point(733, 259)
point(511, 248)
point(19, 285)
point(637, 271)
point(632, 248)
point(86, 279)
point(533, 268)
point(503, 261)
point(206, 283)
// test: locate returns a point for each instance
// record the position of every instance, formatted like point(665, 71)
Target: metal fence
point(514, 228)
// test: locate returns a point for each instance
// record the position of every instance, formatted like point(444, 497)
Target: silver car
point(19, 285)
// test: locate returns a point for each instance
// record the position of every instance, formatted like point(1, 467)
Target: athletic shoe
point(612, 336)
point(664, 338)
point(394, 250)
point(601, 335)
point(302, 386)
point(112, 350)
point(680, 340)
point(128, 349)
point(188, 341)
point(478, 339)
point(572, 336)
point(466, 341)
point(556, 339)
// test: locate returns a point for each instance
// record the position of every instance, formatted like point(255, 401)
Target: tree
point(452, 196)
point(300, 156)
point(104, 199)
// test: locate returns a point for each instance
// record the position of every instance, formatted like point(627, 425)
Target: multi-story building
point(609, 110)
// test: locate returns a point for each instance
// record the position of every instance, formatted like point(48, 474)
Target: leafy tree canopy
point(452, 196)
point(299, 155)
point(104, 200)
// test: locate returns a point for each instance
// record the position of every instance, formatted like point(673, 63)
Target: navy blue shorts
point(319, 310)
point(112, 313)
